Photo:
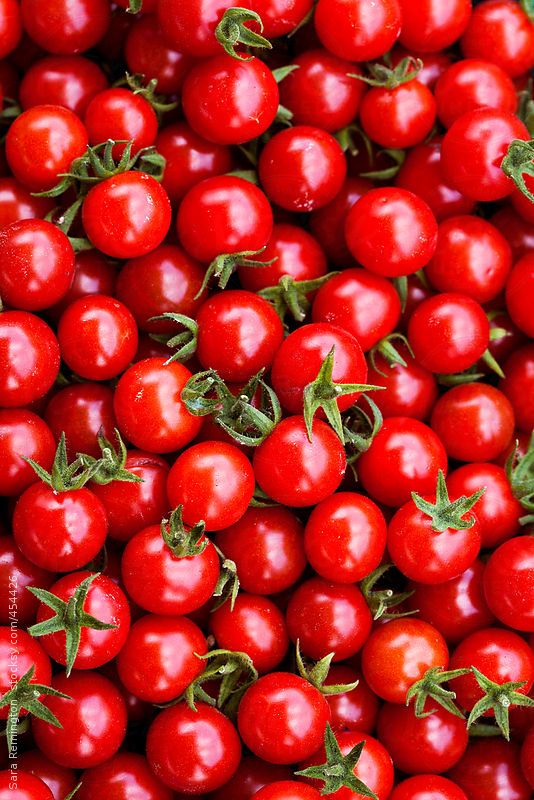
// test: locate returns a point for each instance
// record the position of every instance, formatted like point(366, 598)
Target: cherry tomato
point(491, 767)
point(282, 718)
point(30, 351)
point(527, 757)
point(355, 710)
point(391, 232)
point(121, 114)
point(427, 787)
point(397, 654)
point(16, 574)
point(10, 27)
point(70, 27)
point(68, 81)
point(19, 652)
point(93, 721)
point(209, 752)
point(287, 790)
point(470, 84)
point(328, 223)
point(127, 216)
point(22, 435)
point(191, 27)
point(296, 472)
point(519, 292)
point(251, 776)
point(148, 407)
point(17, 203)
point(517, 231)
point(400, 117)
point(509, 583)
point(125, 774)
point(26, 786)
point(302, 168)
point(404, 457)
point(60, 780)
point(81, 411)
point(147, 53)
point(411, 390)
point(518, 386)
point(359, 32)
point(280, 16)
point(500, 31)
point(429, 26)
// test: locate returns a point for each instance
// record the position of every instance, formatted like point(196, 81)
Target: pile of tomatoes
point(266, 399)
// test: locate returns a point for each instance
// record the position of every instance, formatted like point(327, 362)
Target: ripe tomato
point(147, 52)
point(22, 435)
point(527, 757)
point(121, 114)
point(355, 710)
point(251, 776)
point(287, 790)
point(10, 27)
point(93, 721)
point(81, 411)
point(17, 203)
point(228, 100)
point(400, 117)
point(42, 143)
point(209, 752)
point(405, 456)
point(68, 81)
point(280, 16)
point(411, 390)
point(427, 787)
point(191, 27)
point(60, 780)
point(267, 547)
point(19, 652)
point(358, 32)
point(391, 232)
point(518, 386)
point(26, 786)
point(127, 216)
point(302, 168)
point(500, 31)
point(345, 537)
point(16, 569)
point(124, 774)
point(30, 351)
point(93, 274)
point(470, 84)
point(398, 654)
point(148, 407)
point(328, 223)
point(71, 27)
point(491, 767)
point(282, 718)
point(429, 26)
point(509, 583)
point(214, 482)
point(519, 293)
point(296, 472)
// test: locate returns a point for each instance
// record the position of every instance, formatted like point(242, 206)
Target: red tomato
point(81, 411)
point(93, 274)
point(280, 16)
point(491, 767)
point(70, 27)
point(10, 27)
point(121, 114)
point(19, 652)
point(125, 774)
point(509, 583)
point(429, 26)
point(68, 81)
point(359, 32)
point(282, 718)
point(411, 391)
point(500, 31)
point(398, 654)
point(391, 232)
point(16, 574)
point(400, 117)
point(518, 386)
point(17, 203)
point(191, 27)
point(518, 232)
point(287, 790)
point(427, 787)
point(470, 84)
point(251, 776)
point(147, 52)
point(519, 294)
point(22, 435)
point(60, 780)
point(355, 710)
point(527, 757)
point(328, 223)
point(26, 786)
point(30, 351)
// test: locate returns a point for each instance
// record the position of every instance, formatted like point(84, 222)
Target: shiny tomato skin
point(500, 31)
point(68, 81)
point(144, 666)
point(124, 775)
point(360, 32)
point(16, 568)
point(345, 537)
point(162, 583)
point(483, 415)
point(127, 216)
point(427, 787)
point(410, 391)
point(429, 744)
point(296, 472)
point(328, 618)
point(31, 351)
point(518, 386)
point(498, 510)
point(500, 654)
point(214, 482)
point(148, 408)
point(362, 303)
point(430, 26)
point(355, 710)
point(239, 333)
point(106, 602)
point(491, 767)
point(70, 27)
point(81, 410)
point(456, 608)
point(527, 757)
point(29, 654)
point(98, 337)
point(60, 780)
point(404, 457)
point(328, 223)
point(519, 294)
point(93, 274)
point(302, 168)
point(398, 653)
point(209, 753)
point(255, 626)
point(10, 27)
point(191, 28)
point(41, 143)
point(473, 149)
point(147, 52)
point(251, 776)
point(223, 214)
point(448, 332)
point(230, 101)
point(472, 257)
point(94, 721)
point(518, 232)
point(17, 203)
point(267, 546)
point(189, 159)
point(165, 280)
point(120, 114)
point(374, 768)
point(22, 434)
point(401, 117)
point(287, 790)
point(26, 785)
point(282, 718)
point(280, 16)
point(509, 583)
point(391, 232)
point(59, 531)
point(470, 84)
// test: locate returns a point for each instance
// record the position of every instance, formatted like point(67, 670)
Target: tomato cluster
point(266, 399)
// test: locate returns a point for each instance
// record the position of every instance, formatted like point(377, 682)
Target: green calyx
point(207, 394)
point(444, 514)
point(184, 343)
point(224, 266)
point(26, 695)
point(323, 393)
point(147, 89)
point(112, 464)
point(232, 30)
point(389, 352)
point(65, 477)
point(359, 430)
point(520, 472)
point(236, 673)
point(291, 296)
point(391, 77)
point(316, 674)
point(528, 8)
point(518, 163)
point(338, 770)
point(227, 587)
point(74, 792)
point(431, 686)
point(70, 618)
point(381, 600)
point(135, 6)
point(261, 500)
point(183, 542)
point(498, 698)
point(525, 110)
